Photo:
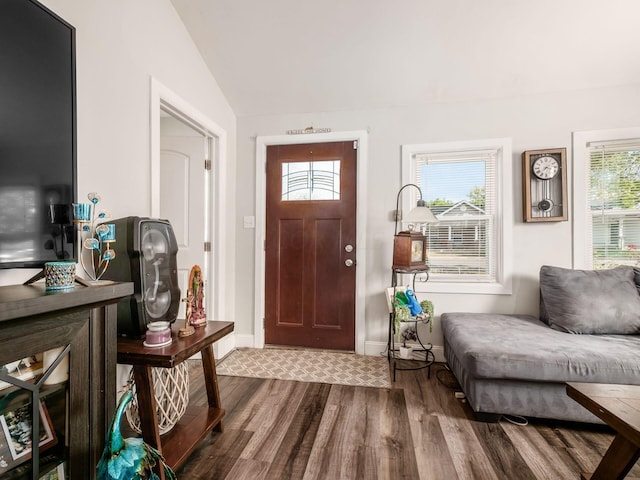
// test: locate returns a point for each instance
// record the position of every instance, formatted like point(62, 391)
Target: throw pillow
point(590, 301)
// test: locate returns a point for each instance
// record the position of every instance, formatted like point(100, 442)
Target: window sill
point(433, 286)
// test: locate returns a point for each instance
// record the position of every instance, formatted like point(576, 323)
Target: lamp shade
point(420, 214)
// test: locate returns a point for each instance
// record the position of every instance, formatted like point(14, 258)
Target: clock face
point(545, 167)
point(416, 250)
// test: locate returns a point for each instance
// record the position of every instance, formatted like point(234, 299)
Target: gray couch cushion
point(636, 277)
point(521, 347)
point(590, 301)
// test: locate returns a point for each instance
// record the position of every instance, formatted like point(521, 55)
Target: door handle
point(348, 262)
point(348, 248)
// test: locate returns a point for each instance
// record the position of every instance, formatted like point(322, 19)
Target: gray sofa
point(589, 331)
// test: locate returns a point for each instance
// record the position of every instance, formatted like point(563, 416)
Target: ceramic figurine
point(187, 329)
point(196, 315)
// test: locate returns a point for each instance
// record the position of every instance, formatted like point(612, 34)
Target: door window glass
point(311, 180)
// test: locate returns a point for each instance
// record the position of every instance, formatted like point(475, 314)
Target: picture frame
point(56, 473)
point(23, 369)
point(15, 435)
point(390, 294)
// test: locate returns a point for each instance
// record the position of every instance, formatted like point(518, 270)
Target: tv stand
point(34, 320)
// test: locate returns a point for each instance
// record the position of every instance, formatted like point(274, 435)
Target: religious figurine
point(187, 329)
point(196, 315)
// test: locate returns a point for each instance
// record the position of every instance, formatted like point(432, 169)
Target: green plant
point(401, 313)
point(427, 307)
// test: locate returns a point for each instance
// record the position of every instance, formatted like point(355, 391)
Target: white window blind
point(613, 223)
point(460, 188)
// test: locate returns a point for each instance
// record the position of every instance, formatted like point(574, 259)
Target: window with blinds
point(614, 203)
point(460, 188)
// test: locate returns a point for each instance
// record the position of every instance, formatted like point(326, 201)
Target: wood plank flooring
point(277, 429)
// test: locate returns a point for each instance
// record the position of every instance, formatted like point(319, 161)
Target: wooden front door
point(310, 245)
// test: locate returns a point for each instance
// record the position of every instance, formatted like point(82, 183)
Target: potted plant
point(407, 335)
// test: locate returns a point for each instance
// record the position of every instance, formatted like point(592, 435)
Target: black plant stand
point(392, 349)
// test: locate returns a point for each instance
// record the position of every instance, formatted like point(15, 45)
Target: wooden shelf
point(192, 428)
point(20, 301)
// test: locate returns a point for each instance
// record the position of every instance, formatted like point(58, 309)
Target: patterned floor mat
point(307, 366)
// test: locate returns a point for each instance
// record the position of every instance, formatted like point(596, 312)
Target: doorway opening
point(188, 156)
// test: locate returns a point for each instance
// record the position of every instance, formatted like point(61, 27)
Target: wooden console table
point(619, 407)
point(184, 437)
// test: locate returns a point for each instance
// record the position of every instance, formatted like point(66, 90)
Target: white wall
point(120, 44)
point(534, 122)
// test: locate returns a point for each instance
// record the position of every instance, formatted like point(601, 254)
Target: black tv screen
point(37, 135)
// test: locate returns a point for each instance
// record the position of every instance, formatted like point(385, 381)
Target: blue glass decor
point(59, 275)
point(96, 236)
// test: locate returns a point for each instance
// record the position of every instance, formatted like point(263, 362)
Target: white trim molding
point(504, 234)
point(162, 97)
point(262, 142)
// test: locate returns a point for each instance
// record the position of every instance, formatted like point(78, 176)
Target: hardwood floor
point(277, 429)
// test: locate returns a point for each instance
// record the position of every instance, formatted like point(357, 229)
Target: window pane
point(460, 190)
point(311, 180)
point(614, 196)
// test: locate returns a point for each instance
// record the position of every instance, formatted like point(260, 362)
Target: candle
point(81, 212)
point(108, 234)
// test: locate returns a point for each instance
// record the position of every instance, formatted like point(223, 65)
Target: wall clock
point(410, 251)
point(544, 185)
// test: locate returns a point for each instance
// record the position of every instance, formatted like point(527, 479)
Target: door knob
point(348, 262)
point(348, 248)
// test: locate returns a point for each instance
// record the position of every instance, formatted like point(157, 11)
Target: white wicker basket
point(171, 386)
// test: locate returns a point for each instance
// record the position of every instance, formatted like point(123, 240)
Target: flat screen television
point(37, 135)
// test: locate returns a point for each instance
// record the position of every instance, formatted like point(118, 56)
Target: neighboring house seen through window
point(614, 203)
point(463, 183)
point(606, 198)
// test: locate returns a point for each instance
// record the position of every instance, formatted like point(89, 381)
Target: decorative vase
point(171, 388)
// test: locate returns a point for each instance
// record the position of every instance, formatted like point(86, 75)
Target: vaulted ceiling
point(287, 56)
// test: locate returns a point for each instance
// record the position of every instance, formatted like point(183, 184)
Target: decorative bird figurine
point(129, 458)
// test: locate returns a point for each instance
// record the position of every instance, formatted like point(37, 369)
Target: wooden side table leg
point(143, 376)
point(211, 381)
point(620, 457)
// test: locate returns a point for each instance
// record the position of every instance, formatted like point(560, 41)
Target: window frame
point(504, 213)
point(581, 141)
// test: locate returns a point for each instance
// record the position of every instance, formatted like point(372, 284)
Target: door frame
point(262, 142)
point(215, 188)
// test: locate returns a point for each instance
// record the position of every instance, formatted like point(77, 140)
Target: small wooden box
point(410, 251)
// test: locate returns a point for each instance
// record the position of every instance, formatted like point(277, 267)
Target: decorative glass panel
point(311, 180)
point(40, 381)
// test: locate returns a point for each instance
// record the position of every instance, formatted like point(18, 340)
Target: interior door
point(310, 245)
point(183, 199)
